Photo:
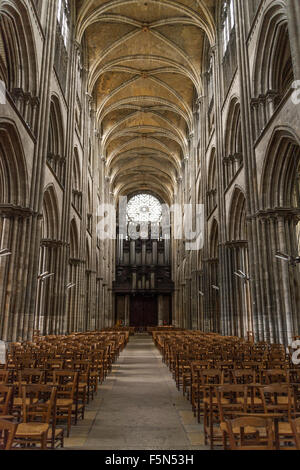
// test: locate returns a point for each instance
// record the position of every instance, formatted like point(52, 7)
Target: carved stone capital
point(51, 243)
point(12, 211)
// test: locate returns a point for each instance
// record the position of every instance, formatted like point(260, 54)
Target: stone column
point(249, 164)
point(293, 14)
point(160, 310)
point(37, 185)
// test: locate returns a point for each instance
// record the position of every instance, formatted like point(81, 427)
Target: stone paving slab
point(138, 407)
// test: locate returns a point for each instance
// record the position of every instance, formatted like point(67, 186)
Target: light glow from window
point(144, 208)
point(63, 7)
point(228, 23)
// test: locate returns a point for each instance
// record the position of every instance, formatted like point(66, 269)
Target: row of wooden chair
point(230, 382)
point(49, 381)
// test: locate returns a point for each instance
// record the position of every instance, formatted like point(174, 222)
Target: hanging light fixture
point(4, 252)
point(45, 275)
point(242, 276)
point(292, 260)
point(70, 285)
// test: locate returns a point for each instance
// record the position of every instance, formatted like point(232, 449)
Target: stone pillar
point(15, 229)
point(160, 310)
point(37, 184)
point(293, 14)
point(249, 165)
point(127, 310)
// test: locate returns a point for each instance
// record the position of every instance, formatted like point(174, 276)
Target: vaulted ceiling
point(145, 74)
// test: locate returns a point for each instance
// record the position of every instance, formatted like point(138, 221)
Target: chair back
point(250, 433)
point(6, 397)
point(4, 375)
point(295, 425)
point(7, 434)
point(38, 403)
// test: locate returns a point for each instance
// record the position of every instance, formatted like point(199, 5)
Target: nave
point(115, 389)
point(138, 407)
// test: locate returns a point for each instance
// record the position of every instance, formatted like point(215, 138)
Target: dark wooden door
point(143, 311)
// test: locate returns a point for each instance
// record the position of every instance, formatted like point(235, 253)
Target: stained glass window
point(144, 208)
point(228, 22)
point(296, 203)
point(62, 16)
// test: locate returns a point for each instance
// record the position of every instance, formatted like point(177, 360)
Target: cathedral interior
point(149, 179)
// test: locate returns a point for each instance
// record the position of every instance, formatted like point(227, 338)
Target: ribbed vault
point(145, 75)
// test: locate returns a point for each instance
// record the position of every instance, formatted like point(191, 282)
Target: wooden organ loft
point(143, 287)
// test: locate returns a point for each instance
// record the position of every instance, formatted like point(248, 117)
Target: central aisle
point(138, 407)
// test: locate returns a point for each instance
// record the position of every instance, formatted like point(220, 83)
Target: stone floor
point(138, 407)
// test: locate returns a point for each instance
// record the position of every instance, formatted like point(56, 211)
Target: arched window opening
point(55, 153)
point(213, 277)
point(229, 43)
point(228, 23)
point(283, 68)
point(210, 93)
point(63, 11)
point(233, 160)
point(76, 183)
point(273, 70)
point(144, 216)
point(212, 185)
point(144, 208)
point(62, 41)
point(296, 204)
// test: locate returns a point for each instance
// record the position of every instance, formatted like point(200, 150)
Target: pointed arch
point(56, 128)
point(13, 172)
point(212, 182)
point(280, 170)
point(212, 171)
point(214, 240)
point(55, 152)
point(18, 63)
point(273, 70)
point(237, 216)
point(88, 255)
point(74, 240)
point(51, 216)
point(76, 171)
point(233, 134)
point(233, 159)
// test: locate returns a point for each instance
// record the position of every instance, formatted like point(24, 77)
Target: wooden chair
point(25, 377)
point(207, 400)
point(250, 433)
point(274, 376)
point(220, 402)
point(279, 399)
point(244, 376)
point(188, 374)
point(67, 399)
point(84, 380)
point(97, 365)
point(6, 399)
point(295, 425)
point(231, 400)
point(38, 411)
point(294, 376)
point(4, 376)
point(7, 434)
